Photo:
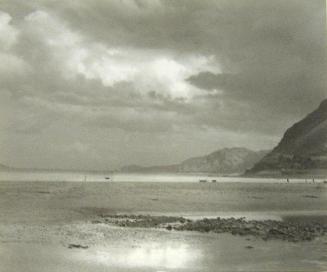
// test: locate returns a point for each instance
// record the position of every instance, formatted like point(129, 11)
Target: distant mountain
point(302, 150)
point(225, 161)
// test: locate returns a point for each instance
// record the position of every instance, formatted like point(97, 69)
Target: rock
point(266, 230)
point(71, 246)
point(182, 220)
point(310, 196)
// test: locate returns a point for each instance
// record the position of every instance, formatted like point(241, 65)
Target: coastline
point(65, 224)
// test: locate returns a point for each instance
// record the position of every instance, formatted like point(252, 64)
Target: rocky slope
point(225, 161)
point(302, 150)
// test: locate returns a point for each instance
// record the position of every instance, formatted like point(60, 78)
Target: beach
point(60, 225)
point(163, 136)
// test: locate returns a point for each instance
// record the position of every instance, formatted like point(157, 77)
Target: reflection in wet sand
point(38, 222)
point(154, 250)
point(170, 255)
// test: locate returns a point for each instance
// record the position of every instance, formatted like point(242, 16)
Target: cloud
point(8, 33)
point(168, 79)
point(9, 62)
point(264, 41)
point(76, 55)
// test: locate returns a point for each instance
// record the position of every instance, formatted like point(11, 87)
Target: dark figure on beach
point(288, 181)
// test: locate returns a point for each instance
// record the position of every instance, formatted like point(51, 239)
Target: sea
point(84, 176)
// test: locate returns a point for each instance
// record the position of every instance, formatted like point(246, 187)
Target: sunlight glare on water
point(151, 255)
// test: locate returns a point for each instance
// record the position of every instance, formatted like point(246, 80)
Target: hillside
point(225, 161)
point(302, 150)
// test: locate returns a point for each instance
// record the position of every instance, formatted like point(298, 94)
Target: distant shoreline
point(109, 177)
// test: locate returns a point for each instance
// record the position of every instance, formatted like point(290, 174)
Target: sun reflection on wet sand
point(170, 255)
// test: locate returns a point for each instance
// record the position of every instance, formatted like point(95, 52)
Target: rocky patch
point(266, 229)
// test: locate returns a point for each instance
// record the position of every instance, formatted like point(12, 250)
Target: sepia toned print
point(163, 135)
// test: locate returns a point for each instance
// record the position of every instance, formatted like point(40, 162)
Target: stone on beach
point(266, 229)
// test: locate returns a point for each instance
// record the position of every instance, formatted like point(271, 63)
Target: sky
point(94, 84)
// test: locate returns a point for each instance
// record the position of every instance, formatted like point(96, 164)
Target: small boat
point(107, 178)
point(202, 180)
point(214, 180)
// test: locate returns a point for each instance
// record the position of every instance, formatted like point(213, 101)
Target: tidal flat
point(62, 226)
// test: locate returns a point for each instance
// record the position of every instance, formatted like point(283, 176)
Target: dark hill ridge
point(225, 161)
point(303, 148)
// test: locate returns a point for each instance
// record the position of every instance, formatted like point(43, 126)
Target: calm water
point(120, 177)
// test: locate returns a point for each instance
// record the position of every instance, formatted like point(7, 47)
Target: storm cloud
point(98, 84)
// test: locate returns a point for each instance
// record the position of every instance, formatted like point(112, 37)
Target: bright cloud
point(147, 71)
point(8, 33)
point(10, 64)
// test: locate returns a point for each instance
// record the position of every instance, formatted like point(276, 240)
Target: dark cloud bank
point(98, 84)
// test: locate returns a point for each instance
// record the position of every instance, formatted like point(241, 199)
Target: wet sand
point(40, 220)
point(151, 250)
